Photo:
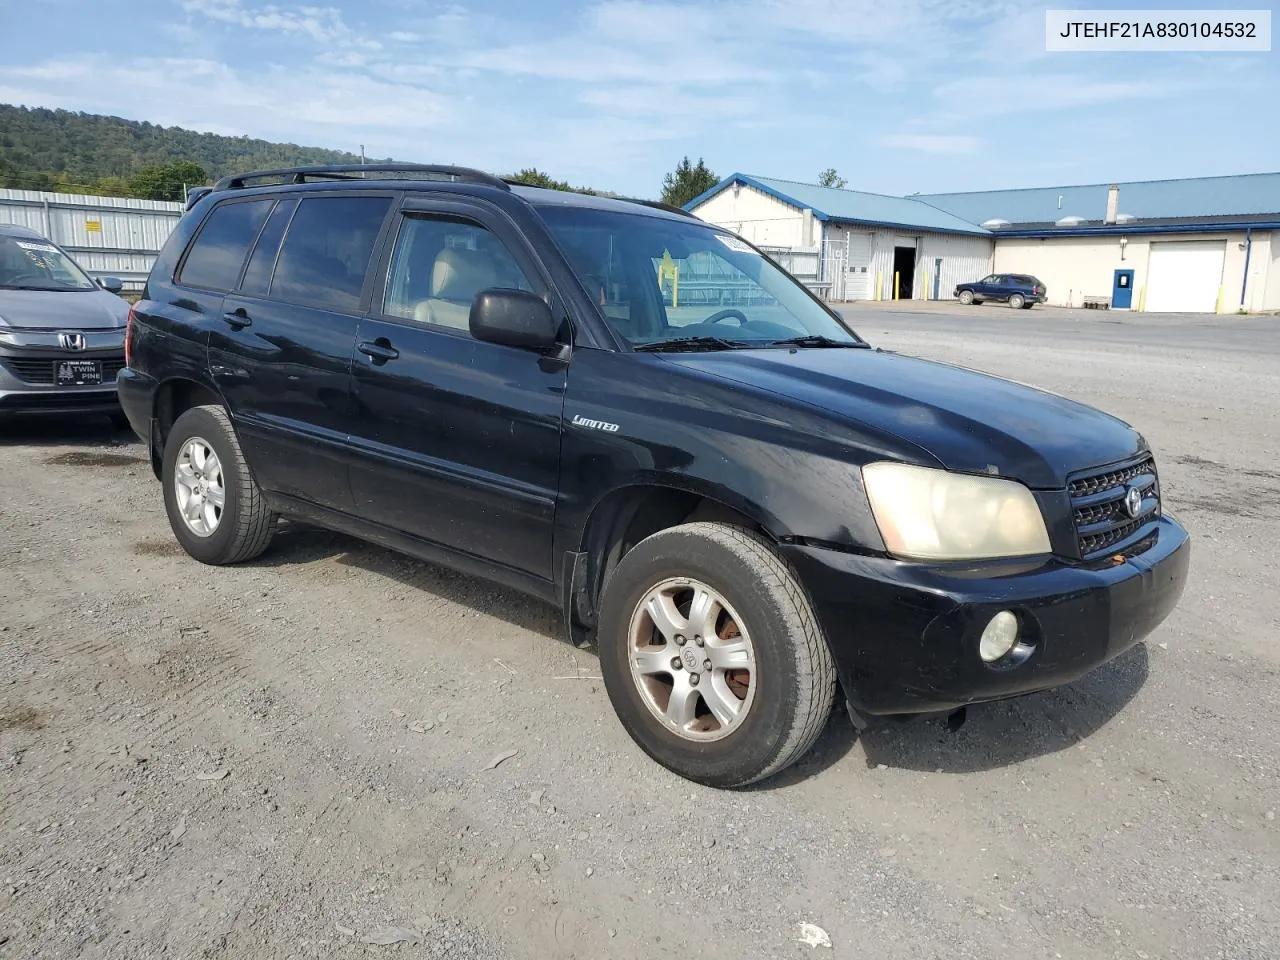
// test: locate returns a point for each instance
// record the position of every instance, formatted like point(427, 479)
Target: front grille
point(1102, 518)
point(38, 371)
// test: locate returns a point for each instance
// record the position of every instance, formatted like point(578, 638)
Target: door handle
point(237, 319)
point(379, 350)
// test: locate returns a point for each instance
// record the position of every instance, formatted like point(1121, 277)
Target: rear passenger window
point(216, 257)
point(257, 276)
point(327, 250)
point(440, 265)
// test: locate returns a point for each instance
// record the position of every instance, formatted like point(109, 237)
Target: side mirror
point(111, 284)
point(514, 318)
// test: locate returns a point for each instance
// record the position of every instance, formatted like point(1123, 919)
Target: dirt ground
point(294, 758)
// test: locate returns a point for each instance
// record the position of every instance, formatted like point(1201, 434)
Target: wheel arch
point(172, 399)
point(626, 515)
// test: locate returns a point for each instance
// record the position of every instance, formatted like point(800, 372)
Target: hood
point(968, 421)
point(62, 309)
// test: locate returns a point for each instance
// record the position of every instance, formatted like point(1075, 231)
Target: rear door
point(456, 441)
point(282, 354)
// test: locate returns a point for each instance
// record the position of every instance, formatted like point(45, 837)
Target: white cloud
point(308, 105)
point(320, 23)
point(1042, 93)
point(931, 142)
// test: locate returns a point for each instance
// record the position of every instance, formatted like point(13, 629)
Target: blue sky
point(899, 95)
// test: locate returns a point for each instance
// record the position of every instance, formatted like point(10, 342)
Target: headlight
point(927, 514)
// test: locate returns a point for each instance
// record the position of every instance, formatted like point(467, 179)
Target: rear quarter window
point(220, 248)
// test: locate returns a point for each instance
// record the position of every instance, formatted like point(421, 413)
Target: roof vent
point(996, 224)
point(1125, 218)
point(1070, 221)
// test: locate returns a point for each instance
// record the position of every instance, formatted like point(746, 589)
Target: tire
point(1028, 305)
point(966, 297)
point(789, 690)
point(1017, 301)
point(244, 525)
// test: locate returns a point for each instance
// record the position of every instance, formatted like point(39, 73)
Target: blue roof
point(1253, 193)
point(850, 206)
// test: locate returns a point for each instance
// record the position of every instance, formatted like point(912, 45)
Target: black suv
point(625, 411)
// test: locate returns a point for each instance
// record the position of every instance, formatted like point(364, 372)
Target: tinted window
point(257, 276)
point(222, 244)
point(327, 249)
point(440, 265)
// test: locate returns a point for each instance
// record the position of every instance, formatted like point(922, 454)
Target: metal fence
point(108, 236)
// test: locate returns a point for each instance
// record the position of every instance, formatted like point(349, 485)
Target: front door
point(457, 441)
point(1122, 290)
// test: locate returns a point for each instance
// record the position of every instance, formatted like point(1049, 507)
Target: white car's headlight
point(927, 514)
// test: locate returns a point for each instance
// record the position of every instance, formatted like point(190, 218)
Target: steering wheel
point(726, 314)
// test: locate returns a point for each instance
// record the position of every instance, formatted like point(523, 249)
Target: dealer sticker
point(42, 247)
point(734, 244)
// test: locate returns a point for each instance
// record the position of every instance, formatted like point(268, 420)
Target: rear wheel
point(215, 508)
point(1017, 301)
point(966, 297)
point(712, 656)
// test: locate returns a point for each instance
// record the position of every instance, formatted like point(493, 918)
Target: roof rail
point(196, 194)
point(659, 205)
point(360, 171)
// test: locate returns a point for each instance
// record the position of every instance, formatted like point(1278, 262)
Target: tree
point(166, 182)
point(686, 182)
point(533, 177)
point(829, 178)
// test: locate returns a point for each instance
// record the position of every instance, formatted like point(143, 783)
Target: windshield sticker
point(734, 244)
point(42, 247)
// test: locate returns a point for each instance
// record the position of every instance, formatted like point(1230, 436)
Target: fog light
point(999, 637)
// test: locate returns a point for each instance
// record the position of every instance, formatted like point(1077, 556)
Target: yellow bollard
point(897, 277)
point(1217, 307)
point(1142, 299)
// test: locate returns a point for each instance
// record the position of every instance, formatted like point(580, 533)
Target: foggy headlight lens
point(927, 514)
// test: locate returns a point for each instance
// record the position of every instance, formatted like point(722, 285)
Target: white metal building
point(1201, 245)
point(108, 236)
point(851, 245)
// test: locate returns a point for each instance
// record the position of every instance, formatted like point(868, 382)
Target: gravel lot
point(290, 758)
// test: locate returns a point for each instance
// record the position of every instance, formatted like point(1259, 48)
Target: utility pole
point(362, 154)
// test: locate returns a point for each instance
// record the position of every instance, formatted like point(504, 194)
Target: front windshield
point(658, 280)
point(38, 265)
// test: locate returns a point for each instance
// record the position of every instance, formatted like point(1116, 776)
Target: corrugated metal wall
point(108, 236)
point(860, 261)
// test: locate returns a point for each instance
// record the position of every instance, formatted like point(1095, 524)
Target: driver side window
point(440, 265)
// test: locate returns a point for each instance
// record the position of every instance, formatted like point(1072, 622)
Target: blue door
point(1122, 291)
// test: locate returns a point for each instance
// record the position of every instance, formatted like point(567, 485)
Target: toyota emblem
point(1133, 501)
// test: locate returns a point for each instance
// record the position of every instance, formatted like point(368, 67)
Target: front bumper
point(27, 383)
point(905, 635)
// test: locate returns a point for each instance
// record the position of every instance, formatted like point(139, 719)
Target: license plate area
point(77, 373)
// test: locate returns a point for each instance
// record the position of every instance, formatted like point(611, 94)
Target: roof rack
point(361, 171)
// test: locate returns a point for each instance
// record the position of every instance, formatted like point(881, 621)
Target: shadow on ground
point(993, 735)
point(298, 544)
point(95, 430)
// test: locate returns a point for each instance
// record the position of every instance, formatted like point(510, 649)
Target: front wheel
point(966, 297)
point(215, 508)
point(712, 656)
point(1017, 301)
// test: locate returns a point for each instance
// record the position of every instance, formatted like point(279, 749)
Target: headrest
point(459, 274)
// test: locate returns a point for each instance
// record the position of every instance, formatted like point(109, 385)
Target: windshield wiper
point(690, 344)
point(816, 340)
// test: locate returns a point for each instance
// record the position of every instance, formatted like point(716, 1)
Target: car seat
point(456, 278)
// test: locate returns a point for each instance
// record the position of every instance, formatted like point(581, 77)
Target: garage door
point(1184, 276)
